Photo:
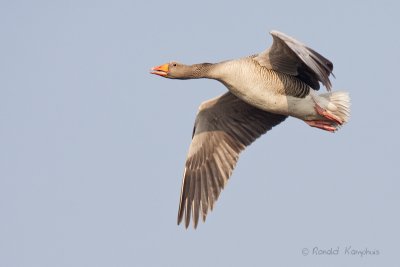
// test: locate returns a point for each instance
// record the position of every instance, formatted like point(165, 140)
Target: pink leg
point(327, 114)
point(324, 125)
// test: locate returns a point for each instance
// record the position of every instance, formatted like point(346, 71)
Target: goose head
point(175, 70)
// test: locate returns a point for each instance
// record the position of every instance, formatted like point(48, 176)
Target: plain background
point(92, 146)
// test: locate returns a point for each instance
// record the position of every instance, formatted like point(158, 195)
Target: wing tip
point(274, 32)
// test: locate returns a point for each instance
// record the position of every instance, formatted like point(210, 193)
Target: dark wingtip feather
point(180, 213)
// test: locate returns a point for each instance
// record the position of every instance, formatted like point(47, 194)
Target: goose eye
point(174, 64)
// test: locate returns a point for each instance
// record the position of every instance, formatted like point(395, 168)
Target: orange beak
point(160, 70)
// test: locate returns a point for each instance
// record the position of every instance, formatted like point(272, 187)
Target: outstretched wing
point(224, 126)
point(289, 56)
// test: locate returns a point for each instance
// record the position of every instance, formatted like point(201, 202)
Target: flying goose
point(264, 89)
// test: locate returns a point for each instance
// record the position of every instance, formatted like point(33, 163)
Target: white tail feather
point(338, 103)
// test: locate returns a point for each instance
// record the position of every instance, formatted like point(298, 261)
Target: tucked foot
point(324, 125)
point(327, 114)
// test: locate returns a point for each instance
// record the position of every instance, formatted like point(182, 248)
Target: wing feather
point(290, 56)
point(223, 127)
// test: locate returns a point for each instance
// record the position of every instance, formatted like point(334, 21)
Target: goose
point(263, 90)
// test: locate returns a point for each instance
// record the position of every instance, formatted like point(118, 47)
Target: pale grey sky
point(92, 146)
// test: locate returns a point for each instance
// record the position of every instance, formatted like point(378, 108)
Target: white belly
point(262, 98)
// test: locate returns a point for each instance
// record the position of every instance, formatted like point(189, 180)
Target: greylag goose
point(264, 89)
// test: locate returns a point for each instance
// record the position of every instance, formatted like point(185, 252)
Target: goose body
point(264, 89)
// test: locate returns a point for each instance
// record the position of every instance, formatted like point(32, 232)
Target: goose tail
point(332, 110)
point(338, 103)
